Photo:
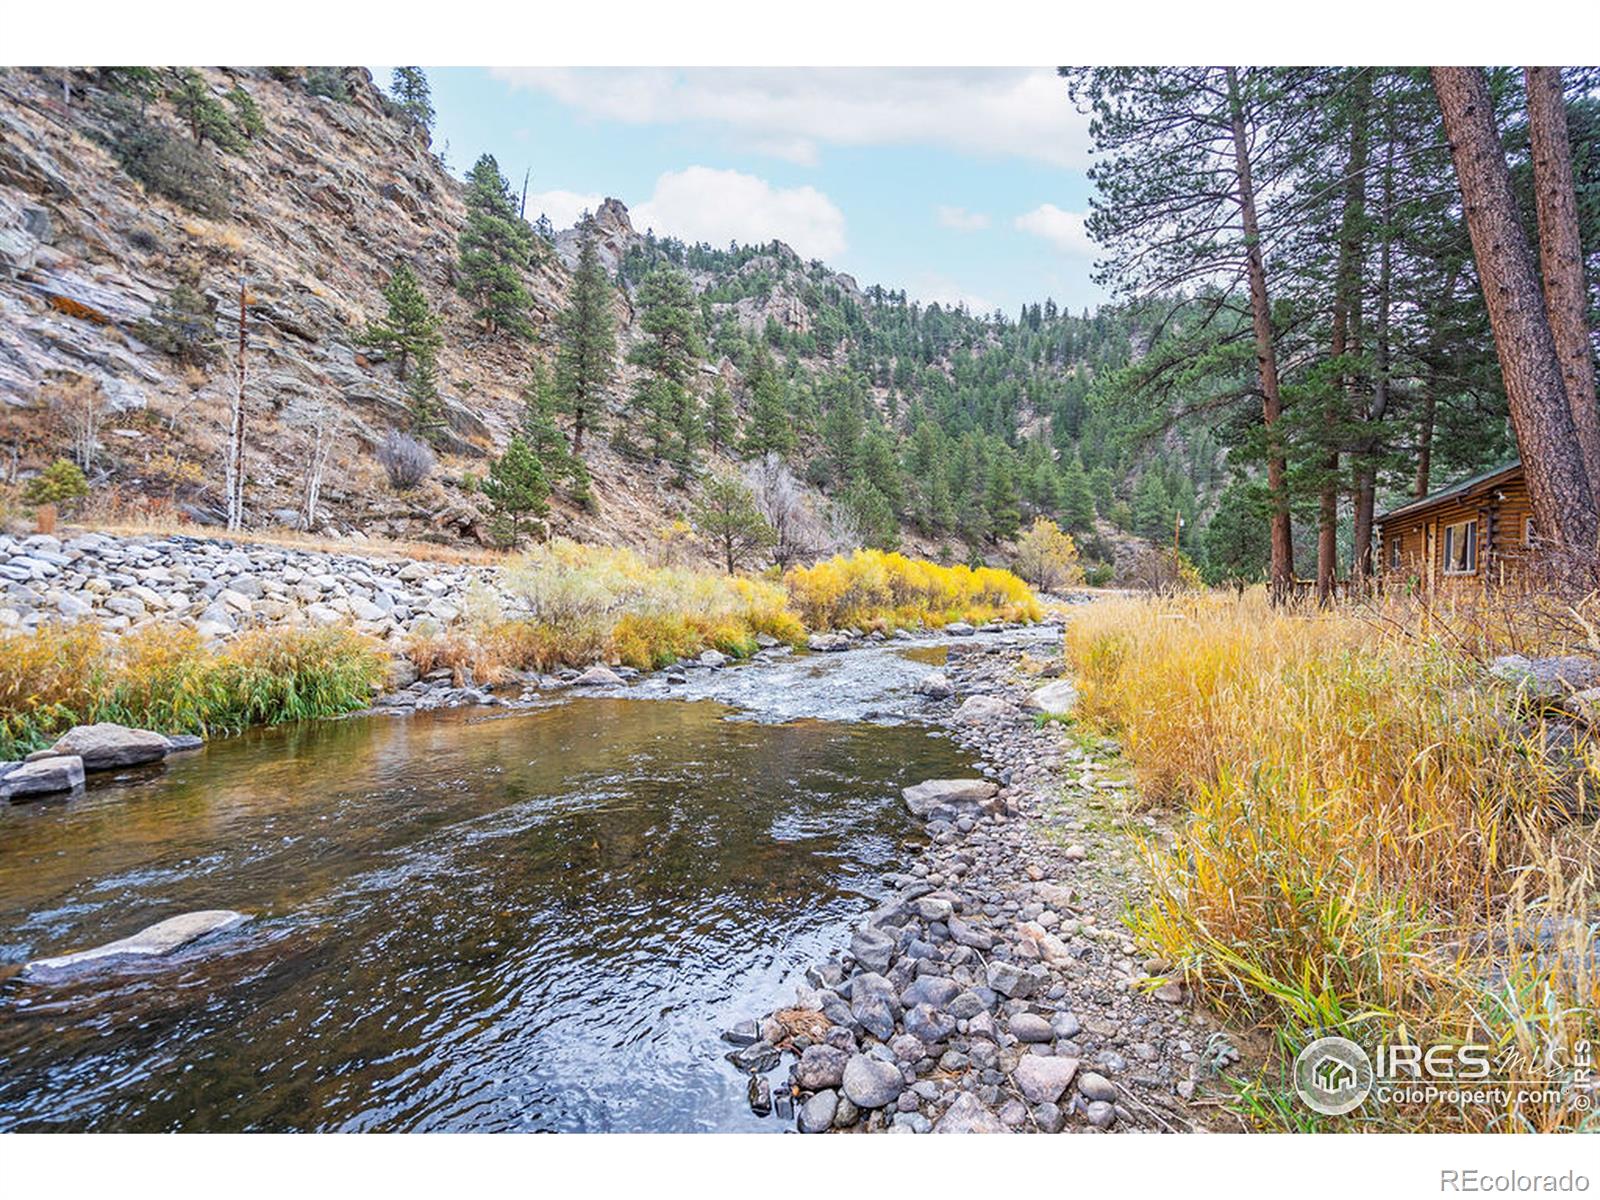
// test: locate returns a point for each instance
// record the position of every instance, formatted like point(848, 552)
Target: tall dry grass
point(872, 589)
point(164, 678)
point(573, 604)
point(1376, 838)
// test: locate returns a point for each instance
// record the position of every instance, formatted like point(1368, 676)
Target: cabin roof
point(1455, 491)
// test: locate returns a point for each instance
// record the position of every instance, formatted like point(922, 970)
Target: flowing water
point(485, 919)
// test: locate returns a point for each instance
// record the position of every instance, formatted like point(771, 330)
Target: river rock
point(713, 658)
point(151, 942)
point(827, 642)
point(760, 1094)
point(935, 686)
point(1043, 1079)
point(109, 745)
point(928, 1025)
point(947, 799)
point(598, 676)
point(58, 773)
point(1030, 1027)
point(872, 1083)
point(1093, 1086)
point(937, 990)
point(968, 1115)
point(872, 948)
point(1057, 697)
point(964, 934)
point(959, 629)
point(1016, 982)
point(821, 1067)
point(975, 710)
point(817, 1113)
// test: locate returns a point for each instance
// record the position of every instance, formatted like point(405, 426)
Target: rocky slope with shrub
point(125, 242)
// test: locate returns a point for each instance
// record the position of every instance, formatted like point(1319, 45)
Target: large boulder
point(1547, 678)
point(598, 676)
point(42, 777)
point(977, 709)
point(108, 745)
point(948, 799)
point(935, 686)
point(151, 942)
point(1057, 697)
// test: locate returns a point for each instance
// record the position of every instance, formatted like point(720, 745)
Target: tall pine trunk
point(1558, 482)
point(1366, 467)
point(1566, 299)
point(1281, 575)
point(1346, 334)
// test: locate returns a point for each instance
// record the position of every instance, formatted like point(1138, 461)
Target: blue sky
point(952, 183)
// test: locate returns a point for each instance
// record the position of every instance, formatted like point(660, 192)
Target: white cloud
point(937, 289)
point(1062, 229)
point(953, 217)
point(561, 206)
point(716, 206)
point(788, 112)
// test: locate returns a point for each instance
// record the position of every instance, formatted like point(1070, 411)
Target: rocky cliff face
point(317, 210)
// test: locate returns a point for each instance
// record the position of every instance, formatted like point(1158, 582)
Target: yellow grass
point(163, 678)
point(871, 589)
point(1372, 832)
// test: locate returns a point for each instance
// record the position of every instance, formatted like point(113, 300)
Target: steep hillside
point(933, 427)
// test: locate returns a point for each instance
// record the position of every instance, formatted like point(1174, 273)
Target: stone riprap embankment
point(996, 989)
point(221, 588)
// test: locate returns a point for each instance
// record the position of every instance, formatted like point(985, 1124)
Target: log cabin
point(1476, 532)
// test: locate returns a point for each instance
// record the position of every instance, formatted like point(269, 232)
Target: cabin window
point(1461, 548)
point(1528, 533)
point(1394, 554)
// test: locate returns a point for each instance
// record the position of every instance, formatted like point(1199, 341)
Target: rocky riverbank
point(220, 587)
point(996, 989)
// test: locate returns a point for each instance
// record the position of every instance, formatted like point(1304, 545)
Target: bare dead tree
point(321, 433)
point(233, 477)
point(81, 404)
point(781, 499)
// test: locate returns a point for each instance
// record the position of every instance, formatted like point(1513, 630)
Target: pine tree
point(665, 409)
point(410, 329)
point(516, 490)
point(1077, 497)
point(422, 398)
point(585, 358)
point(1001, 501)
point(770, 429)
point(202, 112)
point(721, 420)
point(873, 516)
point(1152, 507)
point(543, 436)
point(409, 87)
point(727, 516)
point(496, 244)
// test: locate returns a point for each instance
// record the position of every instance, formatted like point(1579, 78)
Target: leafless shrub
point(80, 404)
point(321, 431)
point(405, 460)
point(781, 499)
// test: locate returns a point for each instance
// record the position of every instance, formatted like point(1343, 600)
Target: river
point(469, 920)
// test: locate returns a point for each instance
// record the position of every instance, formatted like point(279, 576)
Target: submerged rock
point(151, 942)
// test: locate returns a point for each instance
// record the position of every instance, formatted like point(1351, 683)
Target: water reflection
point(470, 920)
